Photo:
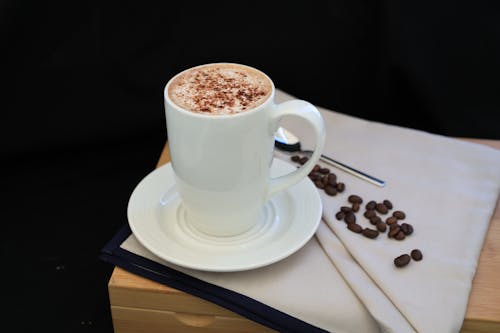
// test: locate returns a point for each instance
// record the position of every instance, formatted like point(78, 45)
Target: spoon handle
point(350, 170)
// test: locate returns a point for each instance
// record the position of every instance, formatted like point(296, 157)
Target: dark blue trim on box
point(238, 303)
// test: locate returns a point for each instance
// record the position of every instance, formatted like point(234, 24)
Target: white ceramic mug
point(222, 162)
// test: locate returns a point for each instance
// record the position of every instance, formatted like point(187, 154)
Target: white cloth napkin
point(343, 282)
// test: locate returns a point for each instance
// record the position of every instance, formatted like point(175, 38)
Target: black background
point(83, 122)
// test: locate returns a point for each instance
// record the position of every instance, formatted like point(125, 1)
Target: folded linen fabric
point(343, 282)
point(448, 189)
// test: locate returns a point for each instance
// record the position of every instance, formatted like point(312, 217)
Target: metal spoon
point(286, 140)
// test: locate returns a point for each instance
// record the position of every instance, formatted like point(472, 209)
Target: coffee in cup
point(220, 89)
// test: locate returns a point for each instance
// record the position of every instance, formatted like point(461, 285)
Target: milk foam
point(219, 89)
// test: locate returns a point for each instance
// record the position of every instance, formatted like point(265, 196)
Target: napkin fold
point(342, 282)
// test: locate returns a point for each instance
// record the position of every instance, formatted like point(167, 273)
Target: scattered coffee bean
point(381, 226)
point(319, 184)
point(396, 231)
point(314, 176)
point(324, 171)
point(370, 233)
point(393, 231)
point(416, 255)
point(391, 220)
point(402, 260)
point(374, 220)
point(354, 227)
point(321, 177)
point(350, 218)
point(330, 190)
point(400, 236)
point(381, 208)
point(332, 179)
point(345, 209)
point(388, 204)
point(407, 228)
point(355, 199)
point(393, 226)
point(369, 214)
point(371, 205)
point(399, 215)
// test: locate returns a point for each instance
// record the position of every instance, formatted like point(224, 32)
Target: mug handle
point(311, 114)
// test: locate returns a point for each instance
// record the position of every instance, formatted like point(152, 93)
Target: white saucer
point(288, 220)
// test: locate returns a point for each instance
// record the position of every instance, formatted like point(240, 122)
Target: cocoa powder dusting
point(220, 89)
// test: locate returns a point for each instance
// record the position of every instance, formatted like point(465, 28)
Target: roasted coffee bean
point(371, 205)
point(391, 220)
point(355, 207)
point(303, 160)
point(353, 198)
point(330, 190)
point(332, 179)
point(345, 209)
point(388, 204)
point(295, 158)
point(340, 187)
point(340, 216)
point(350, 218)
point(393, 231)
point(400, 235)
point(399, 215)
point(374, 220)
point(314, 176)
point(369, 214)
point(319, 184)
point(324, 171)
point(416, 255)
point(395, 225)
point(370, 233)
point(407, 228)
point(381, 208)
point(402, 260)
point(354, 227)
point(316, 168)
point(381, 226)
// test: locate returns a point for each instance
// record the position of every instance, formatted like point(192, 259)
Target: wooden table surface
point(483, 310)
